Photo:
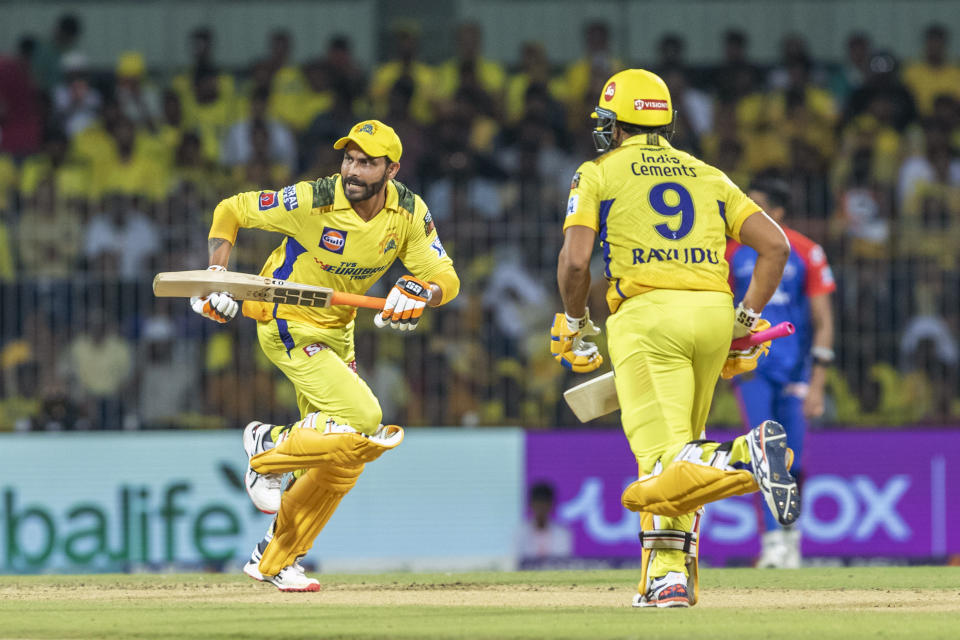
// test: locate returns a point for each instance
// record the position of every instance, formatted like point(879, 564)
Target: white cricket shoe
point(264, 489)
point(773, 550)
point(290, 578)
point(665, 592)
point(768, 458)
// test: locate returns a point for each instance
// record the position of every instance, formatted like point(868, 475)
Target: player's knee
point(366, 419)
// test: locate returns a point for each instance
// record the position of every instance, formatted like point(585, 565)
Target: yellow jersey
point(327, 244)
point(662, 216)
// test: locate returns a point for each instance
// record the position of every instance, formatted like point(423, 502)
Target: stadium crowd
point(109, 176)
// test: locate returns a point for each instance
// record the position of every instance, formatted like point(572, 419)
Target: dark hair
point(542, 492)
point(936, 30)
point(774, 187)
point(69, 25)
point(638, 129)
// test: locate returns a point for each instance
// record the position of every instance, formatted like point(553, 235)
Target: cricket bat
point(598, 396)
point(244, 286)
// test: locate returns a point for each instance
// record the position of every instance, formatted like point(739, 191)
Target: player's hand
point(405, 304)
point(744, 360)
point(219, 307)
point(568, 344)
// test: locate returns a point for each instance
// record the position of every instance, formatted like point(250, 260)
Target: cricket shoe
point(264, 489)
point(769, 458)
point(291, 578)
point(665, 592)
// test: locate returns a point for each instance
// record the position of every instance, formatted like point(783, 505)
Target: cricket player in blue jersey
point(787, 385)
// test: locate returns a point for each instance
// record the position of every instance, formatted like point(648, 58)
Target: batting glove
point(405, 304)
point(219, 307)
point(744, 360)
point(569, 346)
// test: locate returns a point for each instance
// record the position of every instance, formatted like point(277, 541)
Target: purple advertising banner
point(865, 494)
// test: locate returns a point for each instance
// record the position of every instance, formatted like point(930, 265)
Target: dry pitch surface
point(741, 603)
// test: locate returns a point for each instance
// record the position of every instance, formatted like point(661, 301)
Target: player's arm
point(821, 317)
point(281, 211)
point(580, 228)
point(573, 269)
point(764, 236)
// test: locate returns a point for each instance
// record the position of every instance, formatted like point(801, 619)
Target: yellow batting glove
point(568, 344)
point(741, 361)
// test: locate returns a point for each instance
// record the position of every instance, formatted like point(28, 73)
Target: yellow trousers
point(317, 361)
point(667, 349)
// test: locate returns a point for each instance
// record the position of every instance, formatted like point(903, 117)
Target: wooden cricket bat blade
point(245, 286)
point(594, 398)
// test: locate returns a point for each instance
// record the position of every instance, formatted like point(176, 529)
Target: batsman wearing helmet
point(343, 232)
point(662, 217)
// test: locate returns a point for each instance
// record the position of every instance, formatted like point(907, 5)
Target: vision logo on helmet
point(609, 91)
point(366, 128)
point(642, 105)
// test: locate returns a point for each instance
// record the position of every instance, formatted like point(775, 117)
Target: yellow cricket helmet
point(633, 96)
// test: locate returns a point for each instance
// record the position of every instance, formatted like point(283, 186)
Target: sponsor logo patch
point(576, 180)
point(268, 200)
point(428, 225)
point(315, 348)
point(438, 247)
point(333, 240)
point(609, 91)
point(367, 128)
point(572, 204)
point(649, 105)
point(289, 197)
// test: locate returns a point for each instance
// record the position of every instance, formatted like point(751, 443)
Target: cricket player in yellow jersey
point(662, 217)
point(343, 232)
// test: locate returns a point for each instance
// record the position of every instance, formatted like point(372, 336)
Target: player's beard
point(370, 189)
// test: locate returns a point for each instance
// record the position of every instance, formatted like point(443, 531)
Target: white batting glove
point(405, 304)
point(219, 307)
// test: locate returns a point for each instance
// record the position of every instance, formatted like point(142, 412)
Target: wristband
point(822, 356)
point(746, 317)
point(575, 324)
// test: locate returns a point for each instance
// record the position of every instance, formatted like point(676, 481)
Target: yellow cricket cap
point(375, 138)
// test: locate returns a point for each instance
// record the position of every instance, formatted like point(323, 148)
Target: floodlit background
point(122, 124)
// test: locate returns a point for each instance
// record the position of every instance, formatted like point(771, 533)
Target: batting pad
point(308, 448)
point(683, 487)
point(304, 512)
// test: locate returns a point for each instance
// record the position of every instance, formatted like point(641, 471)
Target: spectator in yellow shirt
point(469, 67)
point(406, 41)
point(934, 75)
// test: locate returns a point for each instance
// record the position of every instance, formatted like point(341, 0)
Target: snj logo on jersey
point(333, 240)
point(268, 200)
point(609, 91)
point(645, 105)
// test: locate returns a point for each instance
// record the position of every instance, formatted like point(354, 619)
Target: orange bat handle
point(357, 300)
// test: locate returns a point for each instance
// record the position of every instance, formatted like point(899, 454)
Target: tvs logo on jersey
point(609, 91)
point(268, 200)
point(333, 240)
point(289, 197)
point(649, 105)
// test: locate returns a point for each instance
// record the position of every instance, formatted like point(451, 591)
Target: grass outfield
point(916, 602)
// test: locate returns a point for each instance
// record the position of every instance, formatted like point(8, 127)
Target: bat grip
point(357, 300)
point(774, 332)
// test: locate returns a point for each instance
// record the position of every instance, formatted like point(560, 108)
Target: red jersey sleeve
point(819, 275)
